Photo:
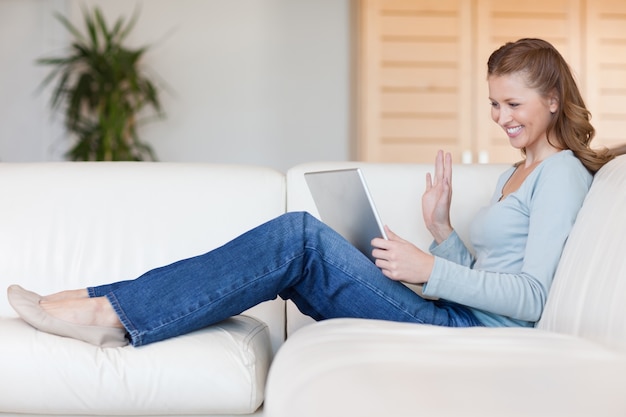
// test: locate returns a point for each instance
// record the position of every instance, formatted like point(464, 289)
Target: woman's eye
point(514, 105)
point(494, 104)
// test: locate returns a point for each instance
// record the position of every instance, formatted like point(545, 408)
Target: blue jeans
point(294, 256)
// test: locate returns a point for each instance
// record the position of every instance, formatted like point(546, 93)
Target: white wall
point(249, 81)
point(26, 130)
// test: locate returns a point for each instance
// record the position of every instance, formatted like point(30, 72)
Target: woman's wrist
point(440, 232)
point(427, 270)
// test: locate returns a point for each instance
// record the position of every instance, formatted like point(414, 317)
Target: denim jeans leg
point(294, 256)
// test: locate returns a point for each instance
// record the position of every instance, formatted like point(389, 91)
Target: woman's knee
point(305, 222)
point(299, 217)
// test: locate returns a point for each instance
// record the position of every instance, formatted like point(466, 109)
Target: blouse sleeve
point(454, 250)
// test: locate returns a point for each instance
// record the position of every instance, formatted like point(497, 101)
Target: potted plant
point(102, 90)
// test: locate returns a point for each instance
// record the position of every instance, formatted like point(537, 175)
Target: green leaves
point(101, 90)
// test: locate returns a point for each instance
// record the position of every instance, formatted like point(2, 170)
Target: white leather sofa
point(69, 225)
point(572, 365)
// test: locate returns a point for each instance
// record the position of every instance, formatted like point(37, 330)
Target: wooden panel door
point(606, 70)
point(500, 21)
point(415, 61)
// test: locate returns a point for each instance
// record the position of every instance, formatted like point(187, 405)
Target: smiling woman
point(544, 110)
point(524, 114)
point(505, 281)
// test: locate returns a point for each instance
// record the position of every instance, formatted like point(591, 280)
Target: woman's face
point(521, 111)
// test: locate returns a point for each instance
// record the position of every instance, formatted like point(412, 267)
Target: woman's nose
point(503, 116)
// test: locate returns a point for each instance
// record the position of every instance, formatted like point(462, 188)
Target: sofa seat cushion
point(218, 370)
point(372, 368)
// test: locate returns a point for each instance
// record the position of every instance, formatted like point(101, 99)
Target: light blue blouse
point(517, 245)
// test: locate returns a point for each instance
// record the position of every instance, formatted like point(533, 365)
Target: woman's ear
point(553, 101)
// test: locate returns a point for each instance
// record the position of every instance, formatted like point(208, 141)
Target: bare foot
point(84, 311)
point(67, 295)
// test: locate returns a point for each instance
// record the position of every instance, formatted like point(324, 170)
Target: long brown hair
point(544, 69)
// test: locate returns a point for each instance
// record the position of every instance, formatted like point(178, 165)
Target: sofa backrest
point(70, 225)
point(397, 191)
point(588, 295)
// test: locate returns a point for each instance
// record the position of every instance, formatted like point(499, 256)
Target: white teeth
point(513, 130)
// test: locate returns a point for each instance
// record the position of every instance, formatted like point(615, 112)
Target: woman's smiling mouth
point(513, 131)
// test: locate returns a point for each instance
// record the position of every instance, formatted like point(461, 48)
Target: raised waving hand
point(437, 197)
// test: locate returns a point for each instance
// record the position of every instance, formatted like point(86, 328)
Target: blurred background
point(280, 82)
point(246, 81)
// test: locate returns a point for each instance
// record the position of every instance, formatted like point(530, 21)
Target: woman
point(518, 240)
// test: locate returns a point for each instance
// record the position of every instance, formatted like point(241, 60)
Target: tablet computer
point(345, 204)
